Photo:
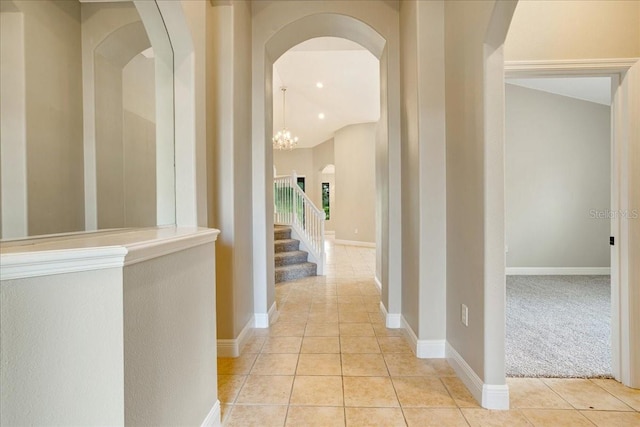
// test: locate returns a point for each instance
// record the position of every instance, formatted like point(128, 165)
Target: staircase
point(290, 262)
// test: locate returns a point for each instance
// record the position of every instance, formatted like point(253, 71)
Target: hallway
point(329, 360)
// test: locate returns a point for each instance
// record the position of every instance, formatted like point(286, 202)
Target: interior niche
point(87, 117)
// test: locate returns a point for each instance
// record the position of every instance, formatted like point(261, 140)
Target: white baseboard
point(233, 347)
point(558, 271)
point(392, 321)
point(424, 349)
point(378, 284)
point(355, 243)
point(213, 417)
point(263, 320)
point(490, 396)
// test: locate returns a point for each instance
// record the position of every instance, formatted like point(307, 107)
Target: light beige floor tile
point(372, 307)
point(422, 392)
point(356, 330)
point(583, 394)
point(556, 418)
point(434, 417)
point(359, 345)
point(266, 390)
point(382, 331)
point(275, 364)
point(236, 365)
point(376, 317)
point(613, 418)
point(254, 345)
point(354, 316)
point(369, 392)
point(459, 392)
point(363, 365)
point(319, 364)
point(315, 416)
point(394, 345)
point(287, 329)
point(348, 289)
point(282, 345)
point(369, 289)
point(630, 396)
point(371, 299)
point(533, 393)
point(352, 307)
point(374, 417)
point(293, 316)
point(320, 344)
point(317, 391)
point(322, 330)
point(225, 409)
point(350, 299)
point(442, 367)
point(324, 308)
point(323, 317)
point(256, 416)
point(478, 417)
point(229, 386)
point(402, 364)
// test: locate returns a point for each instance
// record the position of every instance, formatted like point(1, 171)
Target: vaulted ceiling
point(350, 92)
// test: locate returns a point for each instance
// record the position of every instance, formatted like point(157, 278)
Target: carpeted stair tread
point(295, 271)
point(289, 258)
point(286, 245)
point(282, 233)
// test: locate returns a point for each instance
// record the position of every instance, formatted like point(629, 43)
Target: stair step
point(295, 271)
point(281, 232)
point(289, 258)
point(286, 245)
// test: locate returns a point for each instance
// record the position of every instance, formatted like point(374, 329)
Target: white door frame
point(623, 340)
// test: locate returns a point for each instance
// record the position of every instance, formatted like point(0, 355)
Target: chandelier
point(283, 140)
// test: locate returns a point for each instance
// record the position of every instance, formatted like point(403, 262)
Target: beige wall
point(423, 170)
point(54, 372)
point(355, 183)
point(557, 172)
point(55, 190)
point(170, 339)
point(566, 29)
point(229, 145)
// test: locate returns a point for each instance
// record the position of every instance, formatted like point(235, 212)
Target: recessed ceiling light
point(321, 116)
point(319, 85)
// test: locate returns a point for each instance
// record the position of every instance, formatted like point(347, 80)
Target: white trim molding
point(392, 321)
point(558, 271)
point(568, 67)
point(233, 347)
point(77, 252)
point(424, 349)
point(263, 320)
point(213, 417)
point(355, 243)
point(378, 283)
point(490, 396)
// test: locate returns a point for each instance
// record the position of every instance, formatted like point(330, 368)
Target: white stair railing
point(293, 207)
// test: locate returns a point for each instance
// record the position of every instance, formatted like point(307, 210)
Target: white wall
point(355, 187)
point(557, 173)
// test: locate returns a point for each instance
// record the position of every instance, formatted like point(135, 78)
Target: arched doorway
point(294, 30)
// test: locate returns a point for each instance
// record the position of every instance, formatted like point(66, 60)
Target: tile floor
point(328, 360)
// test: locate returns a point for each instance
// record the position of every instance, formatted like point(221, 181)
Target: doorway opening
point(558, 178)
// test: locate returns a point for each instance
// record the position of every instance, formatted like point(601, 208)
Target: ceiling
point(593, 89)
point(350, 76)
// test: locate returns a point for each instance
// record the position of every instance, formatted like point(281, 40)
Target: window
point(325, 200)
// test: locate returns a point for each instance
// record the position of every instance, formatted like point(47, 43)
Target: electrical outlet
point(464, 315)
point(356, 231)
